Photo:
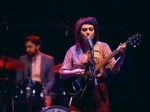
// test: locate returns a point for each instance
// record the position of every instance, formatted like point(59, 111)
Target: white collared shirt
point(36, 68)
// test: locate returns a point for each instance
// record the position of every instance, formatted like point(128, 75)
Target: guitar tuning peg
point(138, 43)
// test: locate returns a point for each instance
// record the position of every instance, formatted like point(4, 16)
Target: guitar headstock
point(134, 40)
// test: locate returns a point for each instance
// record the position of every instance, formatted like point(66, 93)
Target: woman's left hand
point(121, 49)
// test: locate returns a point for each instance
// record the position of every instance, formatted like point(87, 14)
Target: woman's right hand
point(78, 72)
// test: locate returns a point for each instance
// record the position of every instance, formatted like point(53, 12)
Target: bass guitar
point(76, 87)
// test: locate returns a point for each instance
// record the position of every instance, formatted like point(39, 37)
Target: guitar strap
point(96, 53)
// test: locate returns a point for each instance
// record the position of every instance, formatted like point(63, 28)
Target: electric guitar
point(76, 87)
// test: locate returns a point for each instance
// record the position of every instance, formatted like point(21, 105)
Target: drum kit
point(6, 84)
point(27, 90)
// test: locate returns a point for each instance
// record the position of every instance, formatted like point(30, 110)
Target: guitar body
point(77, 87)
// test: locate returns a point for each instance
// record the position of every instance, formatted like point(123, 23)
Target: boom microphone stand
point(94, 93)
point(91, 60)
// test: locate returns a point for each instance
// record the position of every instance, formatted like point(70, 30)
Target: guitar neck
point(105, 60)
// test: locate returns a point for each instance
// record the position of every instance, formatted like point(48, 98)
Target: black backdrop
point(128, 90)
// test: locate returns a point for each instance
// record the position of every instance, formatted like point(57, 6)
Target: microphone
point(67, 27)
point(90, 42)
point(7, 26)
point(5, 21)
point(66, 31)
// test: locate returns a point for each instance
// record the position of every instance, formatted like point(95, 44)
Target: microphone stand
point(93, 65)
point(95, 94)
point(91, 69)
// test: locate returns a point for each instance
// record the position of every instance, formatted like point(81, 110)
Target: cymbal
point(10, 63)
point(7, 79)
point(57, 67)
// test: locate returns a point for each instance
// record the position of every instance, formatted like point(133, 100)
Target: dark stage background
point(129, 90)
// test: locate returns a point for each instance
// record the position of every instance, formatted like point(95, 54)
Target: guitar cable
point(70, 101)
